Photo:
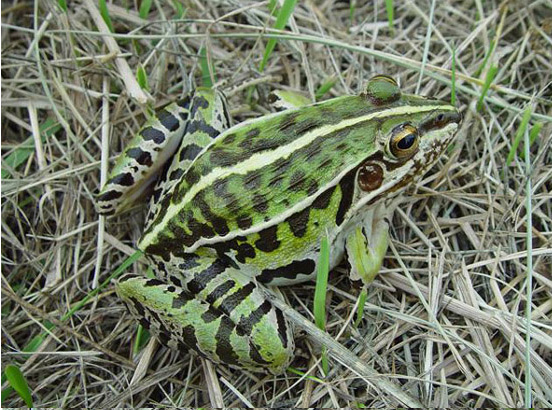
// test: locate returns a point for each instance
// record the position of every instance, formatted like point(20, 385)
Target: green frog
point(236, 208)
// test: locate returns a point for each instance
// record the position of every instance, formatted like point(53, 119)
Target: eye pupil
point(407, 141)
point(404, 141)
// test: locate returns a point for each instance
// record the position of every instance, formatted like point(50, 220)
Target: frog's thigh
point(227, 320)
point(367, 245)
point(208, 118)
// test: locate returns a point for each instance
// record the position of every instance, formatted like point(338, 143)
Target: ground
point(444, 324)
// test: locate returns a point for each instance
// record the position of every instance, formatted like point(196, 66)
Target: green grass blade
point(453, 78)
point(142, 337)
point(62, 5)
point(206, 80)
point(488, 81)
point(485, 60)
point(320, 294)
point(145, 8)
point(272, 6)
point(352, 9)
point(390, 13)
point(179, 9)
point(360, 308)
point(27, 148)
point(324, 88)
point(301, 374)
point(142, 77)
point(36, 341)
point(5, 393)
point(519, 134)
point(281, 21)
point(325, 362)
point(19, 384)
point(528, 392)
point(102, 5)
point(322, 284)
point(533, 135)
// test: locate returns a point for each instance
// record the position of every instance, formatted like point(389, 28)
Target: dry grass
point(445, 321)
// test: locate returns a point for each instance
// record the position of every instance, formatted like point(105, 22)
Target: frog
point(237, 208)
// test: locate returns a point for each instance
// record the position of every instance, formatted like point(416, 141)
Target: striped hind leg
point(184, 128)
point(214, 310)
point(208, 118)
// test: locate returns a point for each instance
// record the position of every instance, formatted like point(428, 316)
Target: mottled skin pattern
point(250, 206)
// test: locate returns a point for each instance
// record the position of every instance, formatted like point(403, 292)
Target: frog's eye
point(382, 89)
point(404, 141)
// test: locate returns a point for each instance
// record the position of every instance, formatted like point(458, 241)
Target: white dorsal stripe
point(263, 159)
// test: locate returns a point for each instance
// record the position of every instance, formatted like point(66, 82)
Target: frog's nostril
point(456, 117)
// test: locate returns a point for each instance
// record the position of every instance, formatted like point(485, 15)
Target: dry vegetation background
point(444, 321)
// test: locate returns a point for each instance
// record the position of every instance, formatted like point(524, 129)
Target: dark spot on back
point(230, 138)
point(288, 122)
point(245, 251)
point(252, 180)
point(298, 222)
point(268, 239)
point(259, 203)
point(347, 185)
point(244, 222)
point(184, 102)
point(296, 181)
point(253, 133)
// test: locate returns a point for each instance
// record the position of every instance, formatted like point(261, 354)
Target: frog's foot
point(284, 99)
point(228, 319)
point(366, 247)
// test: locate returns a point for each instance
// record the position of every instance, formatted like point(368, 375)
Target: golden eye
point(404, 141)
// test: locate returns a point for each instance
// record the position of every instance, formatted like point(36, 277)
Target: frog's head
point(411, 133)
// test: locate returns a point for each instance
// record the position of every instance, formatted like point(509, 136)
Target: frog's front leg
point(367, 245)
point(215, 310)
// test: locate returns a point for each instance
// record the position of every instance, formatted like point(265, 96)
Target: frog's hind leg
point(218, 312)
point(208, 118)
point(155, 145)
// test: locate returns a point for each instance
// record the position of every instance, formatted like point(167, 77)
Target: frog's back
point(248, 178)
point(259, 174)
